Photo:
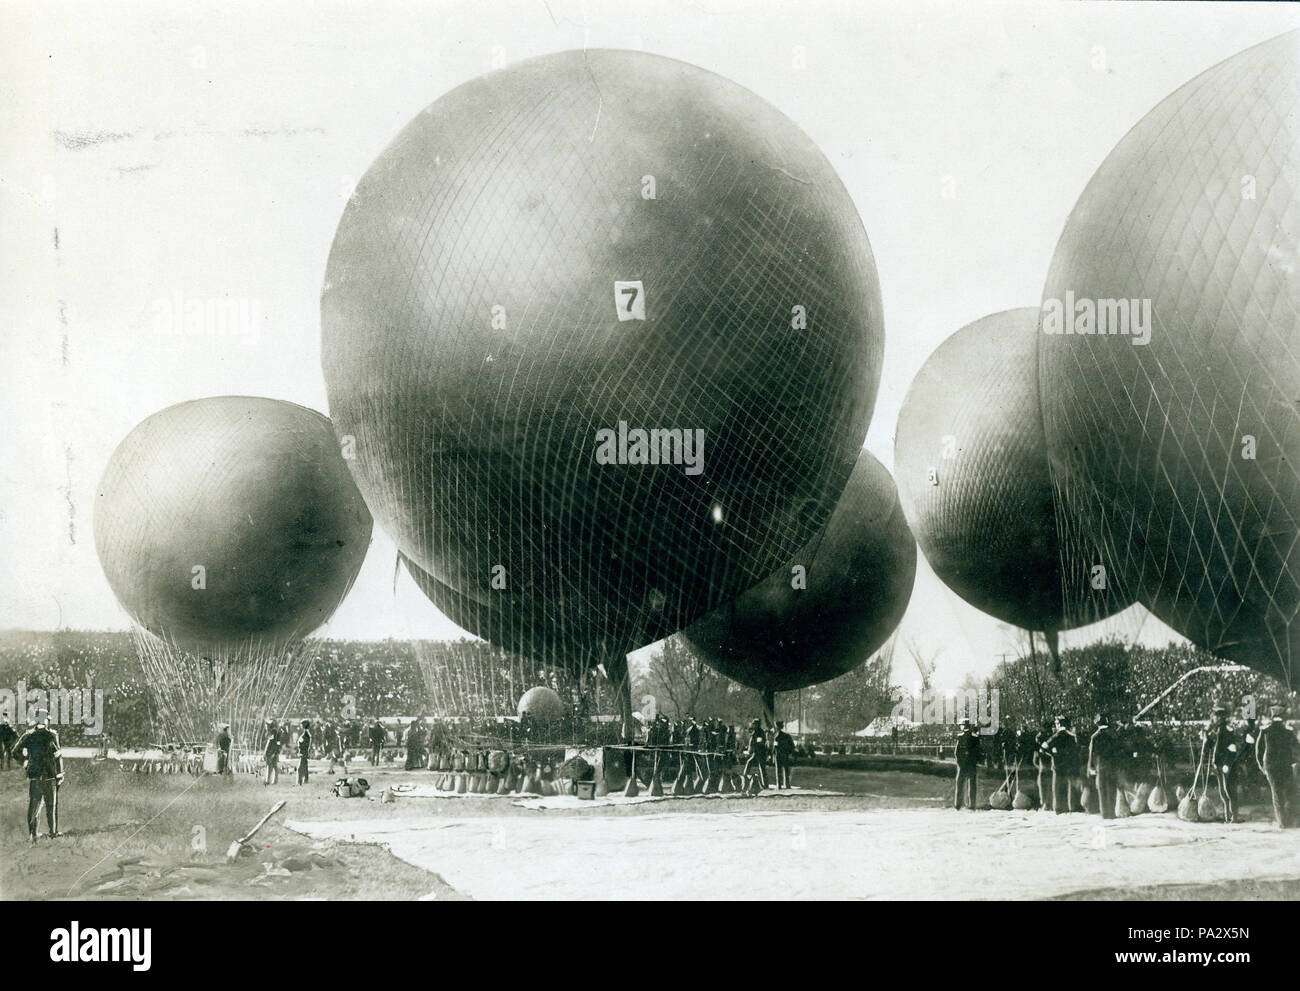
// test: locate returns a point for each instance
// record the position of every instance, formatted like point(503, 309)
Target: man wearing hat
point(783, 751)
point(1063, 749)
point(274, 743)
point(1105, 758)
point(44, 773)
point(304, 751)
point(1276, 751)
point(378, 736)
point(7, 738)
point(757, 756)
point(968, 762)
point(223, 749)
point(1219, 750)
point(1043, 765)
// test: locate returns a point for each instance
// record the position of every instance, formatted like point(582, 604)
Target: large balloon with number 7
point(603, 333)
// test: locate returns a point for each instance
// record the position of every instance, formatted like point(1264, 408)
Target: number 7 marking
point(634, 295)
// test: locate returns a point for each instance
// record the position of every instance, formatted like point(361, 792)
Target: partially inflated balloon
point(542, 704)
point(1170, 358)
point(831, 606)
point(973, 477)
point(230, 521)
point(606, 331)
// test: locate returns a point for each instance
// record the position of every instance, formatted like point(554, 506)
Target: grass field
point(133, 836)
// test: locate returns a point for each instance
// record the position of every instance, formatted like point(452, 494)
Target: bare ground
point(890, 835)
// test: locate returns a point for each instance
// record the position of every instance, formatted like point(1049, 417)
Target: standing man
point(415, 745)
point(223, 749)
point(1062, 747)
point(334, 747)
point(304, 751)
point(44, 773)
point(757, 756)
point(968, 762)
point(1043, 765)
point(1247, 766)
point(1275, 753)
point(1220, 749)
point(784, 749)
point(274, 742)
point(1105, 755)
point(692, 738)
point(7, 738)
point(377, 739)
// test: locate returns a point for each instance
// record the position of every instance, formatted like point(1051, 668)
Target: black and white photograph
point(569, 450)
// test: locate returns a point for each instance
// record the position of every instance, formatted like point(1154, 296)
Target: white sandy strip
point(573, 802)
point(887, 853)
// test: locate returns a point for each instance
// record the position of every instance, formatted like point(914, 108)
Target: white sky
point(192, 152)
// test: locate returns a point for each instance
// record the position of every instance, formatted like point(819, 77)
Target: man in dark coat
point(378, 737)
point(1276, 753)
point(757, 757)
point(39, 749)
point(415, 745)
point(7, 737)
point(783, 747)
point(968, 762)
point(1220, 750)
point(1105, 758)
point(223, 749)
point(1062, 747)
point(334, 747)
point(274, 744)
point(304, 751)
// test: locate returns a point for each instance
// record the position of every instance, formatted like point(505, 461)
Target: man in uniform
point(1105, 757)
point(1247, 766)
point(1220, 750)
point(223, 749)
point(415, 745)
point(757, 756)
point(44, 763)
point(692, 740)
point(1043, 765)
point(1276, 751)
point(968, 762)
point(378, 737)
point(7, 738)
point(304, 751)
point(1062, 747)
point(334, 747)
point(783, 746)
point(274, 743)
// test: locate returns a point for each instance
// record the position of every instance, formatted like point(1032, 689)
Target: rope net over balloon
point(229, 529)
point(1179, 456)
point(481, 679)
point(475, 680)
point(241, 685)
point(975, 484)
point(594, 242)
